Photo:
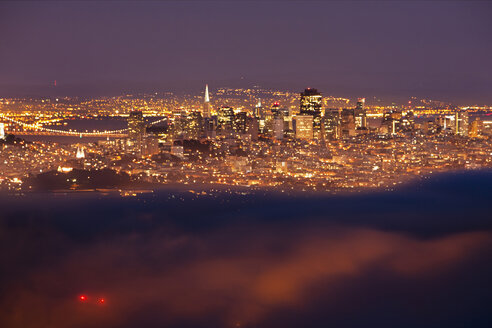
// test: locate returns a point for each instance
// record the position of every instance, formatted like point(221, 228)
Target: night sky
point(388, 49)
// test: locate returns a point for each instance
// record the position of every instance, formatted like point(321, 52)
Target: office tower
point(461, 121)
point(360, 114)
point(287, 115)
point(443, 123)
point(304, 127)
point(240, 123)
point(209, 126)
point(431, 127)
point(194, 125)
point(258, 111)
point(2, 131)
point(253, 128)
point(331, 124)
point(150, 146)
point(266, 125)
point(310, 104)
point(391, 123)
point(136, 129)
point(225, 120)
point(347, 125)
point(178, 126)
point(408, 122)
point(278, 123)
point(278, 127)
point(206, 113)
point(475, 128)
point(276, 110)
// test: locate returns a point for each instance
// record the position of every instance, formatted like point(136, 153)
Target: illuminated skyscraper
point(206, 104)
point(136, 129)
point(150, 146)
point(310, 104)
point(347, 125)
point(407, 122)
point(178, 126)
point(360, 114)
point(240, 122)
point(266, 128)
point(193, 125)
point(2, 131)
point(331, 124)
point(278, 127)
point(258, 112)
point(475, 128)
point(225, 119)
point(276, 110)
point(461, 121)
point(391, 123)
point(304, 127)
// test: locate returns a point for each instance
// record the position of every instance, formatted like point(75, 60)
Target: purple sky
point(388, 49)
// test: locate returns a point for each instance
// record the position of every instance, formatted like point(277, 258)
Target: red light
point(83, 298)
point(101, 300)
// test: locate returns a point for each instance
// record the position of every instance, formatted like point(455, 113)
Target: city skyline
point(245, 164)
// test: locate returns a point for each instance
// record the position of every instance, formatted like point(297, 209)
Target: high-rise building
point(178, 126)
point(253, 128)
point(475, 128)
point(310, 104)
point(276, 110)
point(461, 121)
point(331, 124)
point(225, 120)
point(408, 122)
point(347, 125)
point(2, 131)
point(304, 127)
point(360, 114)
point(150, 146)
point(258, 111)
point(240, 120)
point(194, 125)
point(278, 127)
point(209, 126)
point(136, 129)
point(266, 125)
point(391, 123)
point(206, 112)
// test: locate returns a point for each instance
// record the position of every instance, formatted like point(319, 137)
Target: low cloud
point(226, 277)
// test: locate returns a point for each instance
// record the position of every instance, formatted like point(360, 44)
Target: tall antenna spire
point(207, 98)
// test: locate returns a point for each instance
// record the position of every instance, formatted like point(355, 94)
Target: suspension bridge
point(39, 129)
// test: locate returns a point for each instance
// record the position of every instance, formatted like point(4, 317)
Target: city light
point(251, 137)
